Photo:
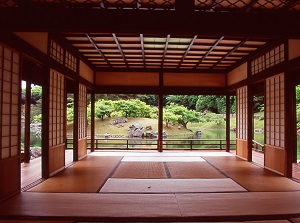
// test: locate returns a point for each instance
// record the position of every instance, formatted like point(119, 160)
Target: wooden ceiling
point(193, 35)
point(162, 52)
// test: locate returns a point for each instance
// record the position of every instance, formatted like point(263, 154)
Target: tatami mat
point(193, 170)
point(85, 176)
point(162, 159)
point(252, 177)
point(141, 170)
point(114, 185)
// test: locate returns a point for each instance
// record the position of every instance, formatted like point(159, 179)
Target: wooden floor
point(213, 187)
point(31, 173)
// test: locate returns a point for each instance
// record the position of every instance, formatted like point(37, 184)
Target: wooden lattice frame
point(274, 111)
point(56, 108)
point(82, 112)
point(9, 102)
point(242, 113)
point(269, 59)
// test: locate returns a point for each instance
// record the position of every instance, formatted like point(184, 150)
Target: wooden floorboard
point(269, 197)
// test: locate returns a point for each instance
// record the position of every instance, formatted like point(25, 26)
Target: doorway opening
point(31, 133)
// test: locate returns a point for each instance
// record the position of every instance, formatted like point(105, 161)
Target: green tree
point(213, 117)
point(103, 108)
point(213, 103)
point(169, 117)
point(185, 115)
point(188, 101)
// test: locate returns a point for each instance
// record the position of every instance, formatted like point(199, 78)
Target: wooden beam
point(92, 122)
point(120, 48)
point(210, 50)
point(165, 50)
point(143, 48)
point(97, 48)
point(227, 123)
point(250, 5)
point(27, 123)
point(187, 50)
point(267, 24)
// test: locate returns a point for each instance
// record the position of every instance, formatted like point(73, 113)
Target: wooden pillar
point(227, 123)
point(75, 122)
point(290, 141)
point(160, 114)
point(249, 122)
point(92, 122)
point(27, 122)
point(45, 124)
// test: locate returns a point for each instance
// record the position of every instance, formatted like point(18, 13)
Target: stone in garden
point(149, 127)
point(122, 120)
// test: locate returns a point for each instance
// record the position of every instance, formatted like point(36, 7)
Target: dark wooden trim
point(27, 123)
point(250, 122)
point(160, 113)
point(268, 24)
point(85, 82)
point(187, 50)
point(179, 90)
point(290, 141)
point(165, 70)
point(227, 123)
point(92, 122)
point(45, 124)
point(165, 50)
point(18, 44)
point(75, 122)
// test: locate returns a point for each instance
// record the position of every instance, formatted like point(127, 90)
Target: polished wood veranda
point(227, 189)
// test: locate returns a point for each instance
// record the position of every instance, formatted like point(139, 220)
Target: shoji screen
point(56, 121)
point(9, 121)
point(82, 121)
point(242, 121)
point(275, 123)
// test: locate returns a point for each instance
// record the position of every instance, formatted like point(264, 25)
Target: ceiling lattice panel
point(199, 5)
point(166, 52)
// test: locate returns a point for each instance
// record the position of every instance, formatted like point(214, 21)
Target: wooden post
point(45, 124)
point(92, 122)
point(290, 138)
point(160, 114)
point(75, 122)
point(250, 122)
point(227, 123)
point(160, 122)
point(27, 122)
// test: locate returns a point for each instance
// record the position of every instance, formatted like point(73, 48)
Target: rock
point(179, 127)
point(107, 135)
point(149, 127)
point(198, 133)
point(122, 120)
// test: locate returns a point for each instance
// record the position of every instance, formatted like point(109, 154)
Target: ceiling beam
point(143, 49)
point(165, 50)
point(210, 50)
point(265, 24)
point(96, 47)
point(250, 5)
point(230, 52)
point(187, 50)
point(289, 4)
point(120, 49)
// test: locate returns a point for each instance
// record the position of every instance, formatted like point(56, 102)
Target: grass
point(104, 126)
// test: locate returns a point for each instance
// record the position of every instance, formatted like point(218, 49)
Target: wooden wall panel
point(242, 148)
point(294, 48)
point(56, 158)
point(194, 80)
point(37, 40)
point(10, 85)
point(275, 158)
point(10, 177)
point(237, 75)
point(242, 122)
point(56, 121)
point(86, 72)
point(275, 152)
point(82, 148)
point(127, 79)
